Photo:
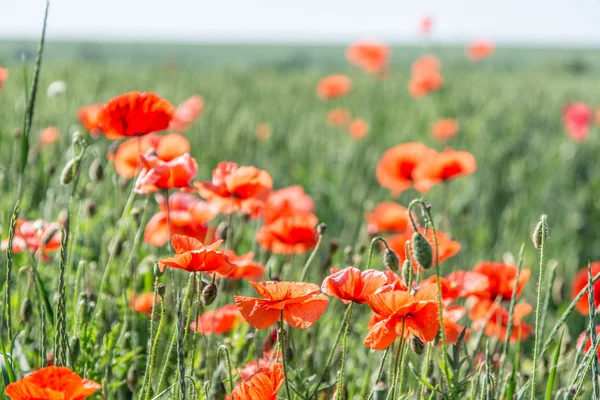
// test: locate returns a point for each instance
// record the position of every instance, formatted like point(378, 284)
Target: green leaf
point(552, 376)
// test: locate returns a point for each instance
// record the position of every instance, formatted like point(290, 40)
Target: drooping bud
point(69, 171)
point(158, 272)
point(322, 228)
point(209, 294)
point(390, 260)
point(422, 250)
point(161, 289)
point(90, 208)
point(96, 171)
point(417, 345)
point(540, 232)
point(217, 391)
point(25, 311)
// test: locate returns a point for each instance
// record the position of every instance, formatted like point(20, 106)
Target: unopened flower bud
point(74, 347)
point(26, 310)
point(540, 232)
point(417, 345)
point(217, 391)
point(380, 392)
point(90, 208)
point(158, 271)
point(136, 213)
point(407, 272)
point(289, 354)
point(390, 260)
point(51, 169)
point(69, 171)
point(161, 289)
point(209, 294)
point(222, 231)
point(96, 171)
point(322, 228)
point(49, 234)
point(422, 250)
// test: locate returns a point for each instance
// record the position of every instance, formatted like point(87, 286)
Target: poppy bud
point(322, 228)
point(209, 294)
point(26, 310)
point(96, 170)
point(49, 234)
point(348, 252)
point(136, 213)
point(422, 250)
point(77, 136)
point(390, 260)
point(221, 231)
point(90, 208)
point(74, 348)
point(334, 245)
point(430, 368)
point(161, 289)
point(217, 391)
point(157, 272)
point(540, 232)
point(51, 169)
point(50, 359)
point(380, 392)
point(289, 354)
point(69, 171)
point(132, 378)
point(407, 271)
point(417, 345)
point(117, 247)
point(275, 277)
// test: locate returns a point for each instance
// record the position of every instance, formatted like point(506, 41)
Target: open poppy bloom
point(333, 86)
point(143, 303)
point(461, 284)
point(32, 235)
point(425, 63)
point(263, 385)
point(358, 129)
point(3, 76)
point(289, 234)
point(425, 76)
point(186, 113)
point(419, 314)
point(89, 117)
point(193, 256)
point(268, 358)
point(352, 284)
point(396, 166)
point(221, 320)
point(580, 282)
point(158, 174)
point(444, 166)
point(287, 202)
point(447, 247)
point(135, 114)
point(245, 268)
point(49, 135)
point(394, 282)
point(189, 217)
point(493, 318)
point(262, 132)
point(451, 315)
point(588, 340)
point(371, 57)
point(387, 216)
point(577, 119)
point(301, 303)
point(234, 188)
point(479, 50)
point(338, 117)
point(52, 383)
point(502, 278)
point(167, 148)
point(444, 129)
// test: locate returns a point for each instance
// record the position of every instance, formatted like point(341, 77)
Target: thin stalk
point(311, 258)
point(379, 372)
point(593, 336)
point(392, 390)
point(340, 388)
point(536, 346)
point(283, 357)
point(372, 245)
point(154, 346)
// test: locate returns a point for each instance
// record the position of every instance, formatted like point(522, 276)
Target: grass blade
point(552, 376)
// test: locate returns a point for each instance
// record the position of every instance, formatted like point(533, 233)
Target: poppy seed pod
point(209, 294)
point(422, 250)
point(96, 171)
point(322, 228)
point(417, 345)
point(540, 233)
point(390, 260)
point(407, 271)
point(161, 289)
point(25, 311)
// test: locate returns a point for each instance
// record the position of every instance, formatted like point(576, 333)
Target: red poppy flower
point(577, 119)
point(193, 256)
point(442, 167)
point(394, 282)
point(234, 188)
point(89, 117)
point(358, 129)
point(269, 358)
point(479, 50)
point(158, 174)
point(289, 234)
point(580, 282)
point(333, 86)
point(426, 25)
point(245, 268)
point(301, 303)
point(186, 113)
point(221, 320)
point(135, 114)
point(32, 234)
point(462, 284)
point(3, 76)
point(263, 385)
point(498, 317)
point(447, 247)
point(352, 284)
point(588, 340)
point(52, 383)
point(502, 278)
point(287, 202)
point(49, 135)
point(419, 312)
point(338, 117)
point(425, 63)
point(396, 166)
point(189, 217)
point(451, 315)
point(444, 129)
point(371, 57)
point(262, 132)
point(387, 217)
point(425, 79)
point(143, 303)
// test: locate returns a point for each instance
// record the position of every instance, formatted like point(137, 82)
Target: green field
point(509, 110)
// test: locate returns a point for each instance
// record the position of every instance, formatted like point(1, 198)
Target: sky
point(549, 22)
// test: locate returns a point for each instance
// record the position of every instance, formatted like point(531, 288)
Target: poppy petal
point(304, 314)
point(257, 311)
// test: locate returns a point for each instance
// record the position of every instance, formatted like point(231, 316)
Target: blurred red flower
point(245, 268)
point(387, 216)
point(193, 256)
point(333, 86)
point(221, 320)
point(371, 57)
point(338, 117)
point(580, 282)
point(289, 234)
point(158, 174)
point(396, 166)
point(89, 117)
point(287, 202)
point(263, 385)
point(479, 50)
point(425, 25)
point(444, 129)
point(358, 129)
point(588, 340)
point(502, 278)
point(442, 167)
point(262, 132)
point(451, 315)
point(425, 76)
point(352, 284)
point(461, 284)
point(577, 119)
point(32, 235)
point(3, 76)
point(49, 135)
point(52, 383)
point(493, 318)
point(143, 303)
point(186, 113)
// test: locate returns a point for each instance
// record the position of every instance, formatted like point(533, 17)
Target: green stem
point(340, 387)
point(282, 349)
point(311, 258)
point(154, 346)
point(379, 372)
point(372, 246)
point(536, 346)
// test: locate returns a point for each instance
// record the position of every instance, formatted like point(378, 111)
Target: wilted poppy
point(352, 284)
point(338, 117)
point(263, 385)
point(493, 318)
point(446, 247)
point(442, 167)
point(189, 216)
point(479, 50)
point(193, 256)
point(135, 114)
point(462, 284)
point(52, 383)
point(333, 86)
point(580, 282)
point(387, 216)
point(444, 129)
point(502, 278)
point(371, 57)
point(287, 202)
point(301, 303)
point(186, 113)
point(221, 320)
point(396, 166)
point(577, 119)
point(245, 267)
point(451, 315)
point(158, 174)
point(143, 303)
point(588, 340)
point(358, 128)
point(89, 117)
point(234, 188)
point(402, 314)
point(289, 234)
point(49, 135)
point(32, 235)
point(262, 132)
point(3, 76)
